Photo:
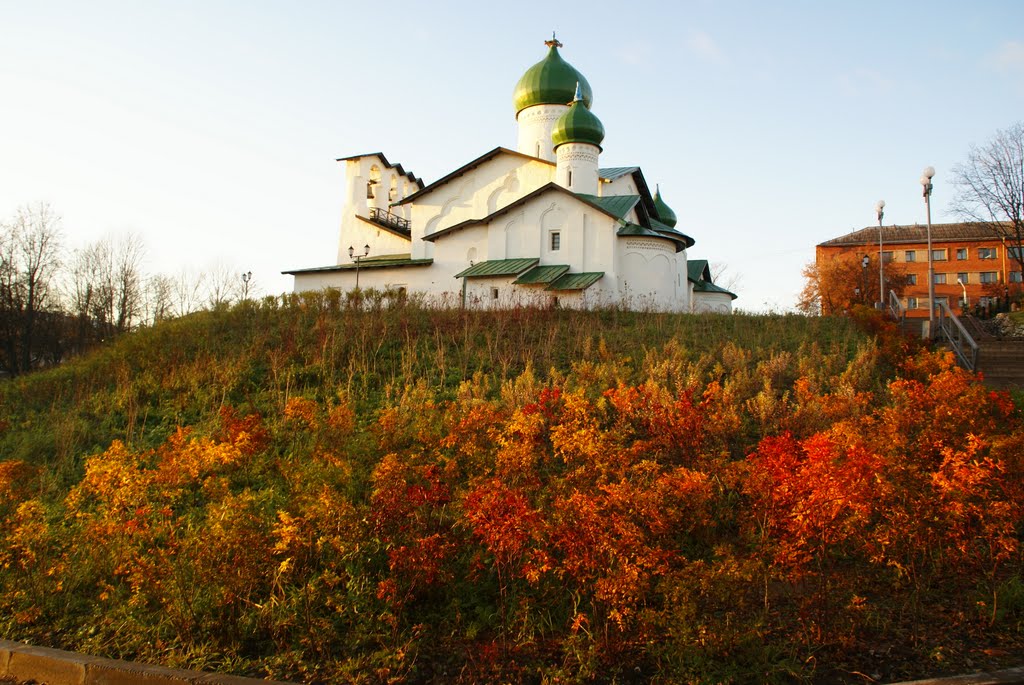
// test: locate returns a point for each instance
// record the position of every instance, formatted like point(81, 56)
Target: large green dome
point(551, 81)
point(578, 124)
point(665, 213)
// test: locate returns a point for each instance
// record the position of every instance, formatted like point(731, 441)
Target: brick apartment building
point(971, 253)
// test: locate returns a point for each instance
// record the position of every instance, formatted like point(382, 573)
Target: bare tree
point(107, 285)
point(724, 278)
point(159, 299)
point(31, 254)
point(990, 187)
point(188, 291)
point(223, 285)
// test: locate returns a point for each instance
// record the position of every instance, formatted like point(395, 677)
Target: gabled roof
point(579, 281)
point(697, 269)
point(967, 231)
point(498, 267)
point(408, 174)
point(610, 208)
point(616, 206)
point(541, 275)
point(486, 157)
point(612, 173)
point(388, 261)
point(698, 272)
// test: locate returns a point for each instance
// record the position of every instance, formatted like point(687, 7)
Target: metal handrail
point(950, 328)
point(896, 308)
point(385, 217)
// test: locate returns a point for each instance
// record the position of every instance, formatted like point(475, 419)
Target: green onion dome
point(665, 213)
point(578, 124)
point(551, 81)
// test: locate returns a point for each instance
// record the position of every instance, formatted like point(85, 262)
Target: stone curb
point(57, 667)
point(1008, 677)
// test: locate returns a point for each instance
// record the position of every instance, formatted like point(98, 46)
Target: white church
point(543, 224)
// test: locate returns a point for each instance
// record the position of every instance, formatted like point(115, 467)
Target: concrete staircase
point(1002, 363)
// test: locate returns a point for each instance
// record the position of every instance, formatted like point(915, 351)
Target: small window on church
point(570, 178)
point(494, 293)
point(556, 240)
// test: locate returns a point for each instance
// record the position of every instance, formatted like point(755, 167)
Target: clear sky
point(210, 128)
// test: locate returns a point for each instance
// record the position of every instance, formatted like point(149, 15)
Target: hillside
point(316, 492)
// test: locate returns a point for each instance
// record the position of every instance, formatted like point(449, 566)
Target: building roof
point(967, 231)
point(408, 174)
point(580, 281)
point(551, 81)
point(616, 206)
point(699, 273)
point(607, 205)
point(671, 232)
point(391, 261)
point(498, 267)
point(542, 275)
point(612, 173)
point(486, 157)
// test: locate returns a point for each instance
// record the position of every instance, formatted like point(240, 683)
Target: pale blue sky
point(211, 128)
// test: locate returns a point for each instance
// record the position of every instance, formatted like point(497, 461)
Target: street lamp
point(926, 183)
point(963, 287)
point(879, 206)
point(246, 277)
point(358, 257)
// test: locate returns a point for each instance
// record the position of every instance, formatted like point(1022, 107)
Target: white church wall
point(479, 192)
point(648, 272)
point(623, 185)
point(717, 303)
point(365, 176)
point(535, 126)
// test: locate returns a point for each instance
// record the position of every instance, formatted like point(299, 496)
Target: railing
point(896, 309)
point(953, 332)
point(383, 216)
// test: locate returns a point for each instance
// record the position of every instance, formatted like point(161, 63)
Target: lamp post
point(246, 277)
point(879, 206)
point(963, 302)
point(926, 183)
point(358, 257)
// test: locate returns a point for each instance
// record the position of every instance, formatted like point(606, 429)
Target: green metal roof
point(671, 232)
point(634, 229)
point(542, 274)
point(551, 81)
point(695, 269)
point(576, 281)
point(612, 173)
point(498, 267)
point(578, 125)
point(375, 263)
point(665, 212)
point(616, 205)
point(705, 287)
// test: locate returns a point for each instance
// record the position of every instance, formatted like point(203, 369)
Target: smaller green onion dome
point(578, 124)
point(665, 213)
point(550, 81)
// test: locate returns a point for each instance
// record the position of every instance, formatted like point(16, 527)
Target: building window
point(987, 253)
point(939, 255)
point(939, 279)
point(962, 277)
point(886, 257)
point(910, 256)
point(1013, 252)
point(942, 301)
point(1016, 277)
point(556, 240)
point(911, 303)
point(989, 276)
point(494, 293)
point(961, 253)
point(911, 279)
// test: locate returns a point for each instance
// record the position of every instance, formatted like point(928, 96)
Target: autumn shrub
point(321, 490)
